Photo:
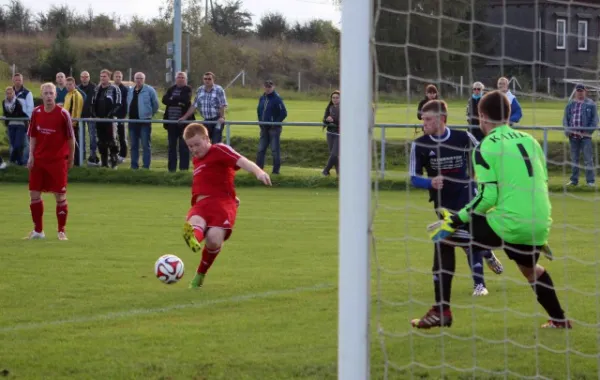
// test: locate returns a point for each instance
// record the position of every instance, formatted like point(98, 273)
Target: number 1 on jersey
point(526, 159)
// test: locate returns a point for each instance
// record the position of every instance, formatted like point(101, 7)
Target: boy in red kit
point(214, 202)
point(51, 154)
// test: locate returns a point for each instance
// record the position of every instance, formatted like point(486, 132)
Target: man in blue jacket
point(580, 121)
point(270, 109)
point(142, 104)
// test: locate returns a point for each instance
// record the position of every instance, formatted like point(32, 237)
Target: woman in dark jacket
point(331, 122)
point(472, 114)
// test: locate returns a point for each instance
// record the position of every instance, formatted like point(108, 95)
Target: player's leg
point(444, 265)
point(193, 230)
point(526, 258)
point(36, 205)
point(62, 210)
point(215, 237)
point(57, 184)
point(475, 261)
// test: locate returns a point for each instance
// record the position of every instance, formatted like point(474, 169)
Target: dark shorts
point(483, 236)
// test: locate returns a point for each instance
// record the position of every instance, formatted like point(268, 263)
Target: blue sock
point(475, 259)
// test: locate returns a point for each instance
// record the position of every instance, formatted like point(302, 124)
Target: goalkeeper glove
point(445, 227)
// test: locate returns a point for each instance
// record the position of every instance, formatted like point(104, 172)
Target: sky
point(293, 10)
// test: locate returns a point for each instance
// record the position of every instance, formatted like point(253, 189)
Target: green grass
point(90, 308)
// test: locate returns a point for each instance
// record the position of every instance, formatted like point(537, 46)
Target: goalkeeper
point(512, 209)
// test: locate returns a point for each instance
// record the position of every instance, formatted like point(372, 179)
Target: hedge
point(16, 174)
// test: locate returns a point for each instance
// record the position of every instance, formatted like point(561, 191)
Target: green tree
point(272, 25)
point(60, 58)
point(230, 19)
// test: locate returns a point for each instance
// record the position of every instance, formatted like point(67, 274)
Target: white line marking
point(138, 312)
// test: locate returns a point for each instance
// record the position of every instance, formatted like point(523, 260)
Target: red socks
point(62, 210)
point(198, 233)
point(37, 212)
point(208, 257)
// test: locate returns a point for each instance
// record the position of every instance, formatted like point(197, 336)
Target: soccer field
point(90, 308)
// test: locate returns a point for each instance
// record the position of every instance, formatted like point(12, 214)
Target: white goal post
point(355, 189)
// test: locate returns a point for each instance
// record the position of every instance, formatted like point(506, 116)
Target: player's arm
point(487, 195)
point(415, 170)
point(251, 167)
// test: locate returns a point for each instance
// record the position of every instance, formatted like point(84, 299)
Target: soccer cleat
point(190, 238)
point(433, 318)
point(197, 281)
point(494, 264)
point(552, 324)
point(35, 235)
point(480, 290)
point(62, 236)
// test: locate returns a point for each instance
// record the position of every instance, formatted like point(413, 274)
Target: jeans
point(93, 138)
point(176, 142)
point(270, 135)
point(215, 131)
point(16, 139)
point(25, 157)
point(333, 142)
point(577, 147)
point(143, 132)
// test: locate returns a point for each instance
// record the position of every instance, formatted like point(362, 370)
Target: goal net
point(544, 48)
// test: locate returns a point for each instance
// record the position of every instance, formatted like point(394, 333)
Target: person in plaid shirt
point(211, 103)
point(580, 121)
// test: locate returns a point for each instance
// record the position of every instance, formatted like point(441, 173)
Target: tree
point(230, 19)
point(18, 18)
point(315, 31)
point(272, 25)
point(60, 58)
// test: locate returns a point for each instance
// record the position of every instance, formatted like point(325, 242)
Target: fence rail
point(228, 124)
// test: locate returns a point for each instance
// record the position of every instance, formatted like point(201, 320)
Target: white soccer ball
point(168, 269)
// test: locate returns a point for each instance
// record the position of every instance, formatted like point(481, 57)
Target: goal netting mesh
point(543, 48)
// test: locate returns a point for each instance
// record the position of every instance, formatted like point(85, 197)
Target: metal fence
point(228, 126)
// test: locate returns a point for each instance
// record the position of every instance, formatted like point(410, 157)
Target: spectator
point(25, 97)
point(515, 108)
point(472, 110)
point(17, 129)
point(88, 88)
point(122, 114)
point(74, 102)
point(106, 102)
point(61, 89)
point(580, 121)
point(142, 103)
point(331, 121)
point(272, 109)
point(431, 93)
point(178, 100)
point(211, 103)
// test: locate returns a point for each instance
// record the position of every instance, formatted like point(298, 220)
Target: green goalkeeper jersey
point(510, 169)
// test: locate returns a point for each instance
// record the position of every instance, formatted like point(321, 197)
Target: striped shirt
point(208, 103)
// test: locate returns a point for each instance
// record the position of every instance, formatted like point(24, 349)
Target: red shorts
point(217, 212)
point(49, 177)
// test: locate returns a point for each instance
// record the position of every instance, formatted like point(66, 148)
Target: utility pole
point(177, 27)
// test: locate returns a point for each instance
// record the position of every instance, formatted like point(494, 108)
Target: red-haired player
point(51, 154)
point(214, 202)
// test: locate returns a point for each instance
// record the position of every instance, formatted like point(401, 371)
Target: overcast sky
point(294, 10)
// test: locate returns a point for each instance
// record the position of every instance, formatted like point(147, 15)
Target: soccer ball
point(168, 269)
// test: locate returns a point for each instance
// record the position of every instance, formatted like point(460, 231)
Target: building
point(541, 39)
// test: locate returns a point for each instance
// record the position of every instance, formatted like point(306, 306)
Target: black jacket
point(184, 100)
point(16, 112)
point(89, 94)
point(108, 104)
point(473, 118)
point(334, 112)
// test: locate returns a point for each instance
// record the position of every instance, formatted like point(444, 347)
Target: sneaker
point(120, 159)
point(62, 236)
point(93, 161)
point(591, 184)
point(571, 183)
point(480, 290)
point(433, 318)
point(3, 165)
point(190, 238)
point(197, 281)
point(553, 324)
point(33, 235)
point(494, 264)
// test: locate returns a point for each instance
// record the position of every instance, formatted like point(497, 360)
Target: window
point(561, 33)
point(582, 35)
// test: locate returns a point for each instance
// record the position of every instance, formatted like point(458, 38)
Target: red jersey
point(214, 173)
point(52, 131)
